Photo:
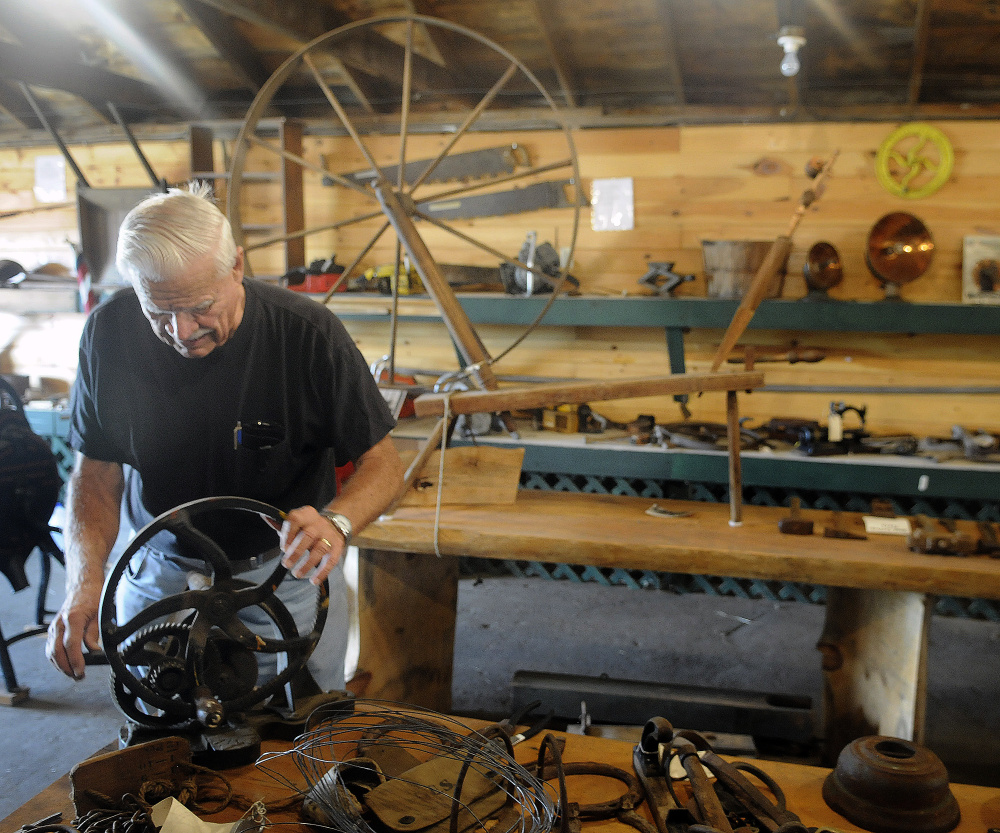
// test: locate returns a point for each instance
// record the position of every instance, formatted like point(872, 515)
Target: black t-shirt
point(290, 368)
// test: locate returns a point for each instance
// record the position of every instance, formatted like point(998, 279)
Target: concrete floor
point(510, 624)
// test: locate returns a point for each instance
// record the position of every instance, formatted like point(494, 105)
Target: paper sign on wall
point(50, 179)
point(611, 203)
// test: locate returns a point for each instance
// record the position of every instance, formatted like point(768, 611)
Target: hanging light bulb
point(791, 39)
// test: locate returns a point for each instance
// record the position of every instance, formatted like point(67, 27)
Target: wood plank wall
point(691, 184)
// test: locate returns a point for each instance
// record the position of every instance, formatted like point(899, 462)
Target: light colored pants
point(150, 577)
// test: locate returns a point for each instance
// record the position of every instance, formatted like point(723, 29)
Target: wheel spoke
point(477, 243)
point(354, 263)
point(474, 114)
point(394, 313)
point(404, 115)
point(498, 180)
point(341, 114)
point(305, 163)
point(281, 238)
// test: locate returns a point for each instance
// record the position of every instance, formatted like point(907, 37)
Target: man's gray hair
point(165, 233)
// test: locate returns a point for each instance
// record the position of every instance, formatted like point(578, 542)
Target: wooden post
point(293, 209)
point(462, 332)
point(407, 606)
point(874, 647)
point(735, 472)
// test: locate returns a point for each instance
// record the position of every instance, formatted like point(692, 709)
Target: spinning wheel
point(188, 658)
point(394, 189)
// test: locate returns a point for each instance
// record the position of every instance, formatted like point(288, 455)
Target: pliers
point(525, 717)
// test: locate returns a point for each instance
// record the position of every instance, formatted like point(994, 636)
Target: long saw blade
point(550, 194)
point(472, 164)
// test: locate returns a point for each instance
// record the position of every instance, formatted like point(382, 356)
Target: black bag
point(29, 487)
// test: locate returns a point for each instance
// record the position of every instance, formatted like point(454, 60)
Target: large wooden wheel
point(397, 174)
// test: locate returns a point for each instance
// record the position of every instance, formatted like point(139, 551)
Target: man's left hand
point(311, 545)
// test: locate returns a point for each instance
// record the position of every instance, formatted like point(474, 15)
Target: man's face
point(198, 310)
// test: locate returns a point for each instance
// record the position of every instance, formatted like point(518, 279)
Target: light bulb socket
point(791, 39)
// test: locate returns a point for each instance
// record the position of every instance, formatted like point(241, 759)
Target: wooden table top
point(613, 531)
point(802, 785)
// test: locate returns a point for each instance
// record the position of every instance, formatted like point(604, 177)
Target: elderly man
point(194, 383)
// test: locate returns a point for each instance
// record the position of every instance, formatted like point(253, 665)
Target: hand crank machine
point(187, 664)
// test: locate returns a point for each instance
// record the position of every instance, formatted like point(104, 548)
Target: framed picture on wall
point(981, 270)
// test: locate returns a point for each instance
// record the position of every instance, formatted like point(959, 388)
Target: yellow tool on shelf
point(381, 278)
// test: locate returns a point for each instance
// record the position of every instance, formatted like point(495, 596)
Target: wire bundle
point(345, 757)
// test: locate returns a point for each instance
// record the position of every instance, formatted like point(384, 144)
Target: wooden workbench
point(873, 647)
point(802, 785)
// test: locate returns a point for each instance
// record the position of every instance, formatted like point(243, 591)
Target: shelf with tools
point(917, 479)
point(595, 457)
point(669, 312)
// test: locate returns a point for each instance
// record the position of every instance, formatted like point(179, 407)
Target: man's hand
point(76, 625)
point(309, 541)
point(94, 506)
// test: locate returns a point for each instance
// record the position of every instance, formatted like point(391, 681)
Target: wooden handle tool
point(765, 276)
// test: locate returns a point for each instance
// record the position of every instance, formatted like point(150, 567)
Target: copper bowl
point(890, 785)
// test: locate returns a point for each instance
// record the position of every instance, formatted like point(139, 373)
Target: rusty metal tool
point(752, 355)
point(795, 524)
point(933, 537)
point(989, 543)
point(650, 758)
point(838, 529)
point(525, 716)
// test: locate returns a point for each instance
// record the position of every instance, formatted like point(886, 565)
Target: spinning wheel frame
point(399, 201)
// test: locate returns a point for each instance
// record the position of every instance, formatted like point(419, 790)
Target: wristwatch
point(341, 523)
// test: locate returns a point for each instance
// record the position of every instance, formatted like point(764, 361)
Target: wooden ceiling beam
point(921, 40)
point(15, 106)
point(668, 44)
point(376, 56)
point(59, 73)
point(563, 75)
point(297, 21)
point(39, 35)
point(228, 42)
point(138, 36)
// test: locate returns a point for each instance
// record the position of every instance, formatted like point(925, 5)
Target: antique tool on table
point(899, 250)
point(838, 529)
point(939, 537)
point(729, 803)
point(186, 665)
point(649, 758)
point(776, 256)
point(989, 542)
point(891, 785)
point(794, 523)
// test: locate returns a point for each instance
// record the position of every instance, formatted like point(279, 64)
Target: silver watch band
point(341, 523)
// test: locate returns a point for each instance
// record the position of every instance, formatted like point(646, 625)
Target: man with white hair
point(197, 382)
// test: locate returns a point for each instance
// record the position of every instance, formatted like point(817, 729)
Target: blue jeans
point(150, 577)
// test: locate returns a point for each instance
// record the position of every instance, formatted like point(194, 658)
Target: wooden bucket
point(731, 265)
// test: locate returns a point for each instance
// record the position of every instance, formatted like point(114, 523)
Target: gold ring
point(329, 546)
